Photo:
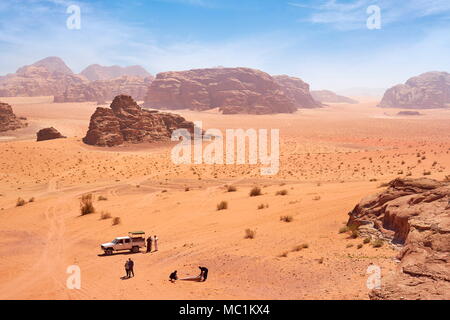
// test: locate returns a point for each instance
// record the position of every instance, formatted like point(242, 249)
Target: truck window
point(127, 240)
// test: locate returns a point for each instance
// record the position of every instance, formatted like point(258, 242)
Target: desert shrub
point(360, 246)
point(250, 234)
point(86, 205)
point(231, 189)
point(317, 198)
point(284, 254)
point(261, 206)
point(186, 189)
point(105, 215)
point(305, 246)
point(282, 193)
point(116, 221)
point(222, 206)
point(447, 178)
point(102, 198)
point(32, 199)
point(256, 191)
point(20, 202)
point(297, 248)
point(354, 234)
point(427, 173)
point(286, 218)
point(378, 243)
point(366, 240)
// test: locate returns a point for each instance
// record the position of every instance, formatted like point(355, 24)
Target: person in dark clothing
point(149, 244)
point(130, 267)
point(203, 273)
point(127, 268)
point(173, 276)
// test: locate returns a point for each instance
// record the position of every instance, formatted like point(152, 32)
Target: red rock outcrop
point(48, 134)
point(327, 96)
point(232, 90)
point(97, 72)
point(126, 122)
point(414, 213)
point(426, 91)
point(298, 91)
point(8, 120)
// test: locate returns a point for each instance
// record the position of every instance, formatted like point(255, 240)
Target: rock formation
point(126, 121)
point(97, 72)
point(8, 120)
point(409, 113)
point(327, 96)
point(414, 213)
point(232, 90)
point(105, 90)
point(427, 91)
point(298, 91)
point(51, 64)
point(48, 134)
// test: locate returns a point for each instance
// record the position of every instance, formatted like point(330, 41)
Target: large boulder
point(126, 122)
point(232, 90)
point(414, 214)
point(427, 91)
point(8, 120)
point(327, 96)
point(97, 72)
point(48, 134)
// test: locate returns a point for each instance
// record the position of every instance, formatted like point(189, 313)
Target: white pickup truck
point(133, 242)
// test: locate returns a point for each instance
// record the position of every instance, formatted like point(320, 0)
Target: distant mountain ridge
point(325, 96)
point(97, 72)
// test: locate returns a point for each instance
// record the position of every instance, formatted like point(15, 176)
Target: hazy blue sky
point(326, 43)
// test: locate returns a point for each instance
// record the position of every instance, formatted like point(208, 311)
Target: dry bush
point(366, 241)
point(222, 206)
point(282, 193)
point(256, 191)
point(116, 221)
point(250, 234)
point(284, 254)
point(344, 229)
point(105, 215)
point(317, 198)
point(287, 218)
point(32, 199)
point(86, 204)
point(377, 243)
point(231, 189)
point(102, 198)
point(20, 202)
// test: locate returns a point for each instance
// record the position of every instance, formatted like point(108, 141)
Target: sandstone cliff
point(8, 120)
point(126, 122)
point(327, 96)
point(414, 213)
point(427, 91)
point(232, 90)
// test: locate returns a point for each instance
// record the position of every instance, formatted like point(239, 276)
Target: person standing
point(130, 267)
point(155, 239)
point(149, 244)
point(127, 269)
point(203, 273)
point(173, 276)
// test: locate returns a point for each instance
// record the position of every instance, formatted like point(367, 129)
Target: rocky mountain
point(298, 91)
point(97, 72)
point(105, 90)
point(126, 122)
point(232, 90)
point(426, 91)
point(8, 120)
point(413, 213)
point(327, 96)
point(48, 134)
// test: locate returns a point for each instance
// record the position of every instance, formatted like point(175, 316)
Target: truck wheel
point(135, 249)
point(108, 252)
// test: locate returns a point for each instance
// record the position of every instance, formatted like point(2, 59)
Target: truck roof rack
point(136, 233)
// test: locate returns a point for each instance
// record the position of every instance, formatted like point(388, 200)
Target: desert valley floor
point(330, 159)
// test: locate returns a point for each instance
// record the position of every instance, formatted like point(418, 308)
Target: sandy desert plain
point(330, 159)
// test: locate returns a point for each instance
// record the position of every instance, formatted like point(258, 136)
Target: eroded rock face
point(48, 134)
point(105, 90)
point(8, 120)
point(327, 96)
point(414, 213)
point(429, 90)
point(125, 121)
point(97, 72)
point(232, 90)
point(297, 90)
